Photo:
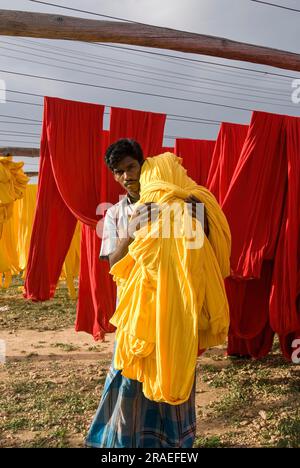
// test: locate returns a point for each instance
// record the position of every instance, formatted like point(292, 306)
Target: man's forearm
point(121, 251)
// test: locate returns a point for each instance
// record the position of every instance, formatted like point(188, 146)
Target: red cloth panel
point(196, 157)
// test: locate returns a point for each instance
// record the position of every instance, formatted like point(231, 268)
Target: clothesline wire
point(37, 135)
point(19, 118)
point(12, 132)
point(91, 85)
point(160, 53)
point(144, 24)
point(185, 77)
point(89, 12)
point(272, 102)
point(281, 75)
point(19, 141)
point(38, 46)
point(229, 96)
point(38, 140)
point(18, 123)
point(283, 7)
point(190, 118)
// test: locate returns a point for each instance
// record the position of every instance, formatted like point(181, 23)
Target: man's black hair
point(122, 148)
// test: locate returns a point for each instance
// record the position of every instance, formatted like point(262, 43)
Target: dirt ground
point(52, 378)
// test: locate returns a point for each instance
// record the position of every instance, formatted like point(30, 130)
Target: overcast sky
point(240, 20)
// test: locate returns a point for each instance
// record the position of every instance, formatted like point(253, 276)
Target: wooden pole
point(49, 26)
point(14, 151)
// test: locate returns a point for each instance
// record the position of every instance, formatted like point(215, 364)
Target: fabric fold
point(172, 300)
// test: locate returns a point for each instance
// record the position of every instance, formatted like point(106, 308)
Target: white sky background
point(240, 20)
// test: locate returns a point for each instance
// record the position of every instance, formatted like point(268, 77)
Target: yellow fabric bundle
point(13, 182)
point(172, 300)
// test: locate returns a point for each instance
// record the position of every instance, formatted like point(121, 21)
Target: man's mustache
point(130, 182)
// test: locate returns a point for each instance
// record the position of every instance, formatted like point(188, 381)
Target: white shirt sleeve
point(109, 236)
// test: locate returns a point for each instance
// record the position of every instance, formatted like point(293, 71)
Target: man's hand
point(194, 200)
point(141, 216)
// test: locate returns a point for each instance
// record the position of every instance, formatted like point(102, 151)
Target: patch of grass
point(289, 430)
point(15, 424)
point(18, 313)
point(93, 348)
point(233, 403)
point(66, 346)
point(259, 400)
point(208, 442)
point(55, 406)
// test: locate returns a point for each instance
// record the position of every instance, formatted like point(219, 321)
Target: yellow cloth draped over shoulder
point(172, 300)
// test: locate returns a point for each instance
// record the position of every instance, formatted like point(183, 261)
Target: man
point(125, 159)
point(125, 417)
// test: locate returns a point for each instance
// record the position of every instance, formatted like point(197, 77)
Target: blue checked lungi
point(126, 418)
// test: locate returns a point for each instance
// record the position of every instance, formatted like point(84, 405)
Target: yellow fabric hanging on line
point(172, 300)
point(9, 259)
point(13, 183)
point(15, 243)
point(70, 269)
point(23, 221)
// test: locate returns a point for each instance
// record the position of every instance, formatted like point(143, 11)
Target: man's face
point(127, 173)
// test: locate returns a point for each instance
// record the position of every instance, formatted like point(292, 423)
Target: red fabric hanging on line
point(243, 296)
point(284, 300)
point(97, 294)
point(290, 343)
point(253, 206)
point(249, 314)
point(227, 150)
point(147, 128)
point(69, 189)
point(256, 347)
point(196, 157)
point(285, 294)
point(94, 277)
point(110, 189)
point(254, 201)
point(167, 149)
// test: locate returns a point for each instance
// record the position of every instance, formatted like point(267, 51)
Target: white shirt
point(115, 226)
